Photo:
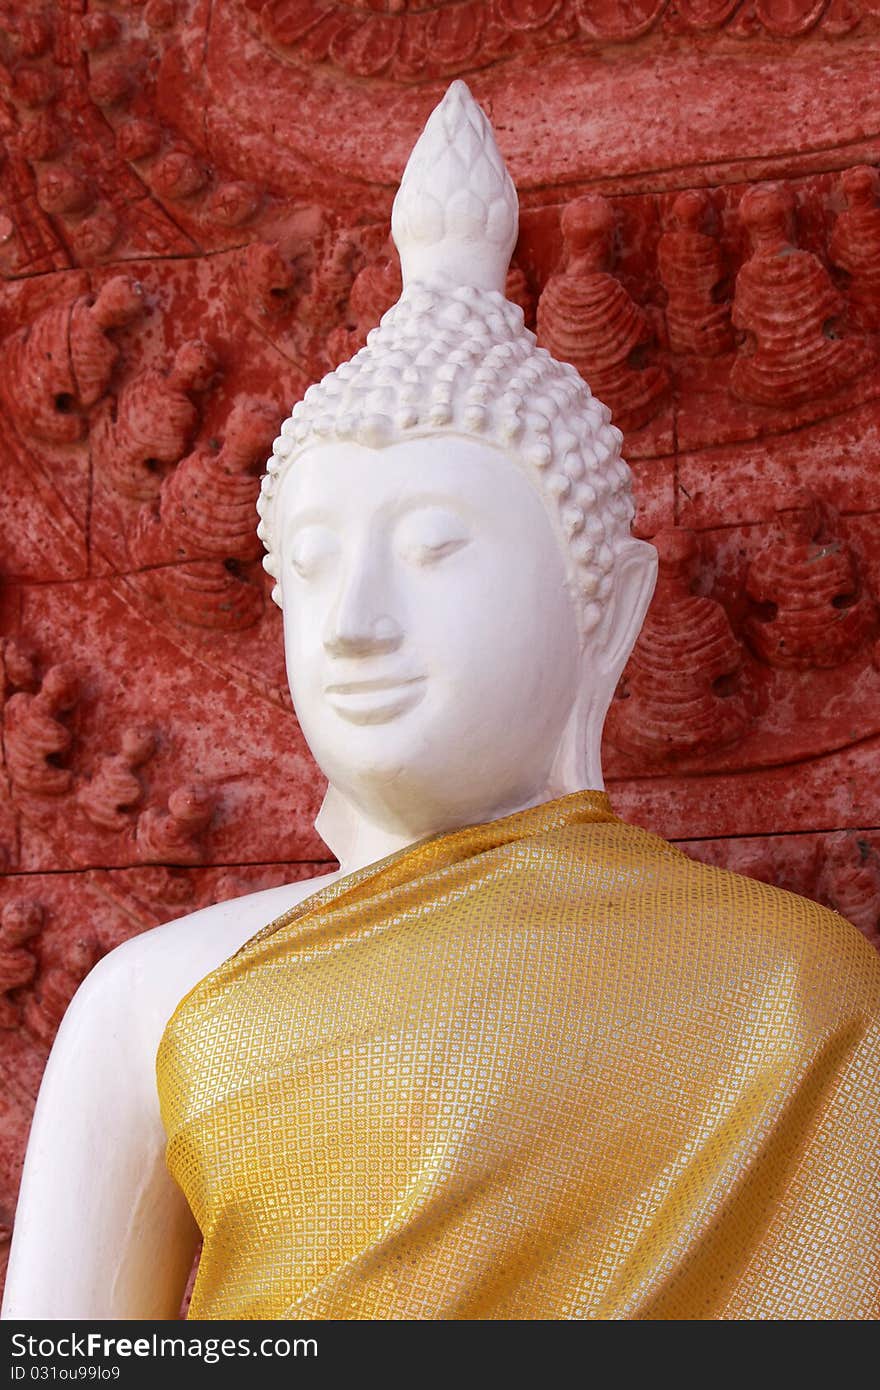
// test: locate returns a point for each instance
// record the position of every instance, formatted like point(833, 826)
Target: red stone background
point(194, 210)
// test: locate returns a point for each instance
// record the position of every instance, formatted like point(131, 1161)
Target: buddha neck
point(356, 841)
point(351, 837)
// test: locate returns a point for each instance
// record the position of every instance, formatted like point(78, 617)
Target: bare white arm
point(101, 1230)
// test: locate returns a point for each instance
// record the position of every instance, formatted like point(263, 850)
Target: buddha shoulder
point(778, 930)
point(144, 979)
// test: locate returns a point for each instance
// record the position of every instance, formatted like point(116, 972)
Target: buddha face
point(431, 640)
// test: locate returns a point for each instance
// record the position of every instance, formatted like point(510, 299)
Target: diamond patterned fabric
point(544, 1067)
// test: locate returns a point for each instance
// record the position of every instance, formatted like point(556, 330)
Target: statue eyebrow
point(396, 510)
point(308, 516)
point(443, 501)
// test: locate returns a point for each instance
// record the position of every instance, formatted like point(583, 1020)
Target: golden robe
point(545, 1067)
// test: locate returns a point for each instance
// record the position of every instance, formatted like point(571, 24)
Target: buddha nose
point(360, 623)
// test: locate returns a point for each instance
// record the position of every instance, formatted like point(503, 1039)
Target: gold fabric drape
point(545, 1067)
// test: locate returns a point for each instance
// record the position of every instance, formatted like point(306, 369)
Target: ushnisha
point(453, 355)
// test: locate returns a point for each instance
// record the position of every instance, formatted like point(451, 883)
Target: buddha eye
point(430, 534)
point(312, 550)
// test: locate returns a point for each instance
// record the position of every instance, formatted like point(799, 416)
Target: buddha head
point(447, 520)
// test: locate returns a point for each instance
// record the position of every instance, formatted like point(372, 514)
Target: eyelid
point(438, 548)
point(432, 537)
point(317, 540)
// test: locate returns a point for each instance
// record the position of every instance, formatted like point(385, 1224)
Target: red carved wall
point(193, 226)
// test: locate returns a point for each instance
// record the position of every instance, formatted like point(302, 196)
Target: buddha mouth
point(377, 700)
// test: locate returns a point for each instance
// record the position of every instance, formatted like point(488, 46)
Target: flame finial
point(456, 213)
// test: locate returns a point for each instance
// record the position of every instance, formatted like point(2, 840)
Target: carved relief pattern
point(194, 224)
point(810, 606)
point(682, 691)
point(586, 317)
point(407, 41)
point(794, 346)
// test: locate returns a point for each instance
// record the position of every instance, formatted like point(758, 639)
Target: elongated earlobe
point(635, 575)
point(578, 762)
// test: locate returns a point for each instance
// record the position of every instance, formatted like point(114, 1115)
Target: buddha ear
point(578, 761)
point(634, 577)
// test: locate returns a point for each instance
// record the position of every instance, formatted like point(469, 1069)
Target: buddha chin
point(381, 730)
point(379, 747)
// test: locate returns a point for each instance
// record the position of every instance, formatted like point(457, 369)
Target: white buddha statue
point(517, 1058)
